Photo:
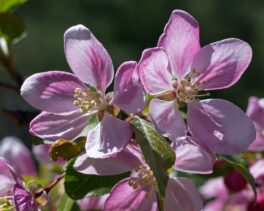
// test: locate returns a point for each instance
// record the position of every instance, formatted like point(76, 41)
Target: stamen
point(146, 177)
point(187, 89)
point(85, 100)
point(7, 203)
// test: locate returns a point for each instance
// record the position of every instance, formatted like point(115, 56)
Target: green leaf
point(10, 5)
point(156, 150)
point(67, 204)
point(12, 27)
point(67, 149)
point(78, 185)
point(237, 164)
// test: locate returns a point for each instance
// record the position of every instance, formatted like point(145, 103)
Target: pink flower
point(13, 150)
point(179, 69)
point(255, 111)
point(138, 192)
point(231, 193)
point(68, 104)
point(12, 190)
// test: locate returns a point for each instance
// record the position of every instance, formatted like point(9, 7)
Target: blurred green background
point(126, 27)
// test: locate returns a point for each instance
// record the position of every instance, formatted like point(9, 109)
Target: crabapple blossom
point(68, 100)
point(178, 72)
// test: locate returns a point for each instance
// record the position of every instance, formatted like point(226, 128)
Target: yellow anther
point(76, 102)
point(85, 100)
point(84, 94)
point(78, 91)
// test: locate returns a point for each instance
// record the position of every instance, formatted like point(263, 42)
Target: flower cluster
point(169, 89)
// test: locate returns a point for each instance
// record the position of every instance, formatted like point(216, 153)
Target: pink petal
point(222, 63)
point(154, 71)
point(23, 199)
point(52, 127)
point(87, 57)
point(51, 91)
point(194, 159)
point(255, 111)
point(8, 171)
point(41, 153)
point(12, 149)
point(6, 186)
point(128, 92)
point(258, 144)
point(257, 170)
point(167, 119)
point(124, 197)
point(124, 161)
point(214, 188)
point(215, 205)
point(93, 202)
point(181, 194)
point(7, 178)
point(108, 137)
point(221, 125)
point(181, 41)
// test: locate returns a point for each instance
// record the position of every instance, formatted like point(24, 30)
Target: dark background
point(126, 27)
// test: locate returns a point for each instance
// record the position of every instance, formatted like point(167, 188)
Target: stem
point(10, 86)
point(8, 63)
point(54, 182)
point(160, 202)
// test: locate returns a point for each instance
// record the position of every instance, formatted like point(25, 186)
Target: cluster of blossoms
point(168, 79)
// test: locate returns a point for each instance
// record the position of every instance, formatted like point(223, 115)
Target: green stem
point(7, 62)
point(54, 182)
point(160, 202)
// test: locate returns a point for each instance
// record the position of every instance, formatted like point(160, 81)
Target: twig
point(54, 182)
point(10, 86)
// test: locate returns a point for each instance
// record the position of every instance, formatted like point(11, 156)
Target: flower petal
point(181, 41)
point(124, 197)
point(124, 161)
point(154, 71)
point(128, 92)
point(110, 136)
point(255, 111)
point(220, 125)
point(181, 194)
point(93, 202)
point(7, 170)
point(222, 63)
point(257, 170)
point(194, 159)
point(12, 149)
point(87, 57)
point(8, 178)
point(23, 199)
point(55, 126)
point(214, 188)
point(51, 91)
point(167, 119)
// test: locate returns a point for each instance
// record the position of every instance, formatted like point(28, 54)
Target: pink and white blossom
point(178, 71)
point(69, 100)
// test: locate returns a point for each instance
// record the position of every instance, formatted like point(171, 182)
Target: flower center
point(187, 90)
point(86, 101)
point(7, 203)
point(145, 177)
